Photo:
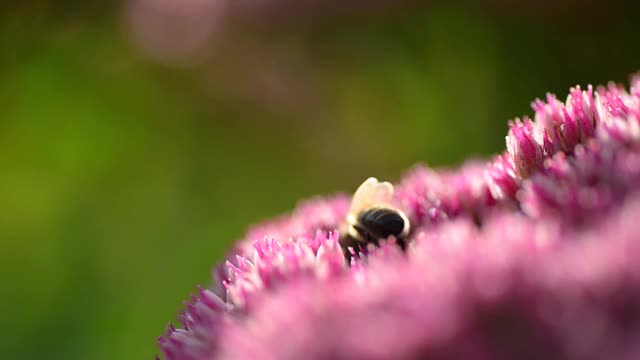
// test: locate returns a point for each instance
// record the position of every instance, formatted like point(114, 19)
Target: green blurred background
point(139, 139)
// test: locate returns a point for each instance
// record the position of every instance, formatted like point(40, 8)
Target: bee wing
point(371, 192)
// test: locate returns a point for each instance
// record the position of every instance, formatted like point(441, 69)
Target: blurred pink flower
point(532, 254)
point(174, 31)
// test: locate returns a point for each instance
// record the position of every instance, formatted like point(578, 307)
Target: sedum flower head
point(532, 254)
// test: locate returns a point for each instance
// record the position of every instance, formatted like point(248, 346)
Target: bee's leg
point(347, 242)
point(401, 243)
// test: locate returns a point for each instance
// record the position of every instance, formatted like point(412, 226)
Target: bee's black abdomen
point(371, 226)
point(380, 223)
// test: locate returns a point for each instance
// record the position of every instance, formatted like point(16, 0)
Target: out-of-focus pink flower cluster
point(530, 255)
point(184, 31)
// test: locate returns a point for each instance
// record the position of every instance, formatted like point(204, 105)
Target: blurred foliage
point(126, 177)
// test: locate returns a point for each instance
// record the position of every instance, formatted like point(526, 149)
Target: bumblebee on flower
point(371, 217)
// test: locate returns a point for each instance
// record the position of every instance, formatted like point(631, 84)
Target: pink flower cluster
point(530, 255)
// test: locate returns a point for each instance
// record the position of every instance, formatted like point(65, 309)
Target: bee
point(371, 217)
